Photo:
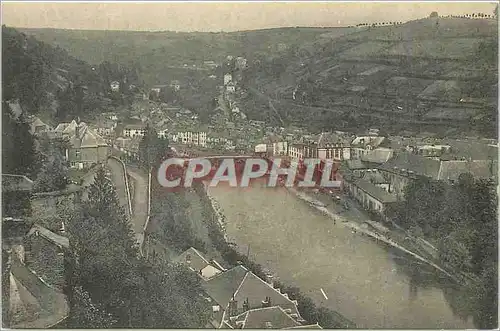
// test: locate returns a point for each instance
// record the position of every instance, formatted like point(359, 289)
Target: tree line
point(462, 219)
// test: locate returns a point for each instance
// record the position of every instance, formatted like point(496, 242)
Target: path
point(355, 225)
point(118, 179)
point(139, 202)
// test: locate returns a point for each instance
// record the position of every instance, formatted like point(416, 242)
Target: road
point(117, 177)
point(362, 280)
point(139, 200)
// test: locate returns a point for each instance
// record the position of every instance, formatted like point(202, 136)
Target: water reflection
point(422, 276)
point(373, 285)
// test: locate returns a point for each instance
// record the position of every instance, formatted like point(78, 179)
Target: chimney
point(269, 325)
point(188, 258)
point(246, 305)
point(270, 280)
point(233, 307)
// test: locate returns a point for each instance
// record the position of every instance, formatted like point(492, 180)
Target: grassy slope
point(394, 66)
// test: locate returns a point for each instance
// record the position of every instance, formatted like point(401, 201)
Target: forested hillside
point(55, 85)
point(160, 56)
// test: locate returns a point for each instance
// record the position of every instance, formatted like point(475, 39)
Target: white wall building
point(228, 78)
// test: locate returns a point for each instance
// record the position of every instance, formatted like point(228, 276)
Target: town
point(406, 238)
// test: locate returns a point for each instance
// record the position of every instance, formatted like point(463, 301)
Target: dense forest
point(462, 219)
point(47, 80)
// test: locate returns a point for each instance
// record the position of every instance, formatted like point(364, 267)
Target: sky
point(221, 16)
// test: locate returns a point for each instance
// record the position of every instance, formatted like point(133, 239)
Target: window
point(77, 154)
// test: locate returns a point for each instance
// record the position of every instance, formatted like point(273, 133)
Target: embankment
point(216, 221)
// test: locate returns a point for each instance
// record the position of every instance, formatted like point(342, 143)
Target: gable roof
point(418, 164)
point(85, 137)
point(271, 317)
point(193, 259)
point(222, 287)
point(242, 284)
point(255, 290)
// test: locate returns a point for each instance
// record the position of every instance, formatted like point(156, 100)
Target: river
point(360, 278)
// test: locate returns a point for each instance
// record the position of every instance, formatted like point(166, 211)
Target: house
point(87, 147)
point(133, 130)
point(405, 167)
point(238, 290)
point(175, 85)
point(370, 195)
point(378, 156)
point(38, 127)
point(230, 87)
point(430, 150)
point(156, 89)
point(263, 318)
point(163, 132)
point(115, 86)
point(28, 255)
point(196, 262)
point(228, 78)
point(191, 138)
point(241, 63)
point(364, 144)
point(105, 127)
point(333, 146)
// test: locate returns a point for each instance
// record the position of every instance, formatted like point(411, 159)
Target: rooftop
point(376, 192)
point(266, 318)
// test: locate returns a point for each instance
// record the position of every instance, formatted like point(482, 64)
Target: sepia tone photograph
point(249, 165)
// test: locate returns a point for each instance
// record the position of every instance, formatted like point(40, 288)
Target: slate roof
point(356, 164)
point(222, 287)
point(450, 170)
point(410, 162)
point(374, 191)
point(85, 137)
point(328, 138)
point(35, 305)
point(438, 169)
point(378, 155)
point(244, 285)
point(270, 317)
point(197, 260)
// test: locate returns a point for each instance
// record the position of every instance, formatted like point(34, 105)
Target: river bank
point(304, 247)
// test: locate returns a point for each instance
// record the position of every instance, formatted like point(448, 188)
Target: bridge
point(285, 162)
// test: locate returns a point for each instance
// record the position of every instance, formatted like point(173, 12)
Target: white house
point(230, 87)
point(115, 86)
point(228, 78)
point(191, 138)
point(133, 130)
